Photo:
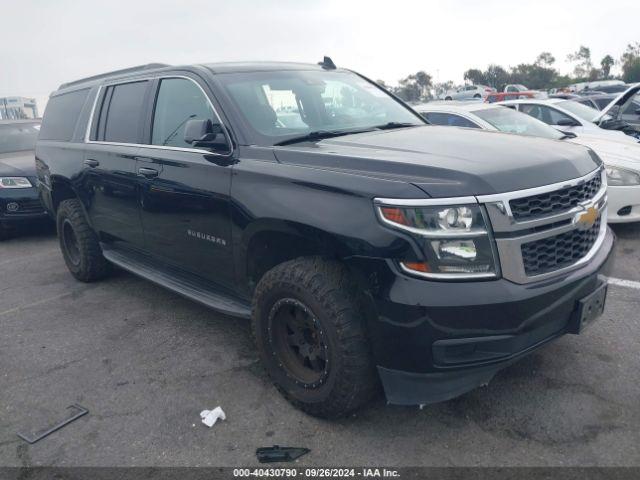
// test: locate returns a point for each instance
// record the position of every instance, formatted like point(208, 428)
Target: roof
point(542, 101)
point(10, 121)
point(454, 106)
point(222, 67)
point(237, 67)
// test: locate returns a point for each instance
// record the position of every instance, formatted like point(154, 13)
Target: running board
point(180, 282)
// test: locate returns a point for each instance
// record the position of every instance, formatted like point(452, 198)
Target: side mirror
point(566, 122)
point(200, 133)
point(638, 111)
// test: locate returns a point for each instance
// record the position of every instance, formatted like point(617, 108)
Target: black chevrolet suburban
point(367, 247)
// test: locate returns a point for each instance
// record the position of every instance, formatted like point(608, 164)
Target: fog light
point(624, 211)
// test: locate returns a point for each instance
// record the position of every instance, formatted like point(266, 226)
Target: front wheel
point(310, 333)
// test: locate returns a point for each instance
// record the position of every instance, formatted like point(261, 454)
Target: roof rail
point(139, 68)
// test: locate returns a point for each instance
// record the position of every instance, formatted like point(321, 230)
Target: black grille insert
point(550, 203)
point(559, 251)
point(24, 207)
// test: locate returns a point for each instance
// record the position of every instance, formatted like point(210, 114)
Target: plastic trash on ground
point(210, 417)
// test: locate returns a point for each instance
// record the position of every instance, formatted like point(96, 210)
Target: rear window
point(61, 115)
point(16, 137)
point(120, 117)
point(449, 120)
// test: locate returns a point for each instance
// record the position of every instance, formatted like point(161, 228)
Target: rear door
point(110, 174)
point(185, 197)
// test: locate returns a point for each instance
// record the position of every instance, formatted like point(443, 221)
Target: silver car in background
point(468, 92)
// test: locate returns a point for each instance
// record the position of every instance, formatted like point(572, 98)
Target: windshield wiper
point(320, 135)
point(391, 125)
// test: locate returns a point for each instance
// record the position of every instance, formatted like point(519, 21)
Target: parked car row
point(621, 158)
point(19, 200)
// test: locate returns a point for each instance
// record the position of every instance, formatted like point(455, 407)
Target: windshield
point(509, 121)
point(15, 137)
point(279, 105)
point(582, 111)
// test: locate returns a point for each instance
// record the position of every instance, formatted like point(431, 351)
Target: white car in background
point(569, 116)
point(625, 108)
point(621, 159)
point(468, 92)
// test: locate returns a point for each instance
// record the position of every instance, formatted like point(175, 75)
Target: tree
point(630, 62)
point(496, 77)
point(415, 87)
point(545, 59)
point(606, 63)
point(582, 59)
point(475, 76)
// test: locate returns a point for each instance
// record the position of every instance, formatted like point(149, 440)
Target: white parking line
point(39, 302)
point(624, 283)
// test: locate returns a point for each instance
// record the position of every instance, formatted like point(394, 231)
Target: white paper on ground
point(210, 417)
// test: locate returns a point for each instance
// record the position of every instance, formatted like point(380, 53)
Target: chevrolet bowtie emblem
point(587, 219)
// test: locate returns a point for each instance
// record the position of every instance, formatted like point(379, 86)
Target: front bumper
point(20, 205)
point(433, 341)
point(624, 204)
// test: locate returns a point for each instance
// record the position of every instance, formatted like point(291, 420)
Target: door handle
point(90, 162)
point(148, 172)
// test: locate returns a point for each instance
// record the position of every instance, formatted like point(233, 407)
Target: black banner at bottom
point(213, 473)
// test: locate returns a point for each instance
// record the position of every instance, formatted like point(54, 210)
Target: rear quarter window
point(61, 115)
point(120, 118)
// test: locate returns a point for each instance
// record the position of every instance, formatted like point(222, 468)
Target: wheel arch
point(63, 189)
point(271, 242)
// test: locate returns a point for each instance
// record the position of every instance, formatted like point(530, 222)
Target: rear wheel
point(79, 243)
point(448, 98)
point(309, 329)
point(477, 95)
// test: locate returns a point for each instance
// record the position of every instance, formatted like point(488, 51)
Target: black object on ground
point(76, 412)
point(279, 454)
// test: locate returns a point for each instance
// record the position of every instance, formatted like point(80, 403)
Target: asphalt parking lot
point(145, 362)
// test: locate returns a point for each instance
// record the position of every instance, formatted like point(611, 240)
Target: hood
point(448, 161)
point(612, 152)
point(622, 98)
point(18, 164)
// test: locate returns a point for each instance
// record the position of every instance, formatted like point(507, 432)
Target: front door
point(185, 196)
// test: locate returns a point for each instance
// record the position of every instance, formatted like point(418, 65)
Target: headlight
point(618, 177)
point(15, 182)
point(454, 238)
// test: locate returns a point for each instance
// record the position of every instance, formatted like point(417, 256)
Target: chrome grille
point(549, 203)
point(559, 251)
point(539, 232)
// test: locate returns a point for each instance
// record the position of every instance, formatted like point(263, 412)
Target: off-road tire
point(87, 263)
point(326, 289)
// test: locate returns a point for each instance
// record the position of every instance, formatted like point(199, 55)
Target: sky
point(45, 43)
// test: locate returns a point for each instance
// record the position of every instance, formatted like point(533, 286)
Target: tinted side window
point(120, 119)
point(61, 115)
point(548, 115)
point(449, 120)
point(179, 100)
point(602, 102)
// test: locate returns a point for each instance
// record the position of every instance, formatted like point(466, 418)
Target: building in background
point(12, 108)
